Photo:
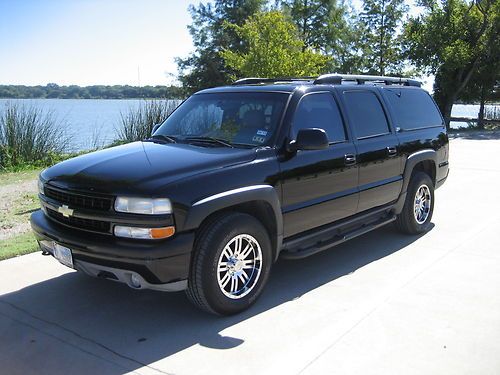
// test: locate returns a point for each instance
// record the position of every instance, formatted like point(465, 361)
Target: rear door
point(377, 147)
point(319, 186)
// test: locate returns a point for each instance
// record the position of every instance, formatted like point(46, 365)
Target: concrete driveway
point(383, 303)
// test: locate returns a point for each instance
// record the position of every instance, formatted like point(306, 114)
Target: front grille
point(79, 223)
point(76, 200)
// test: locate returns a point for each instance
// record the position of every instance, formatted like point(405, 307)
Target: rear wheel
point(417, 211)
point(231, 264)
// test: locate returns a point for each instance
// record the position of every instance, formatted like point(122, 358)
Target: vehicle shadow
point(148, 326)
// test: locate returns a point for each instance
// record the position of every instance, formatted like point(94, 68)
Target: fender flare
point(411, 162)
point(205, 207)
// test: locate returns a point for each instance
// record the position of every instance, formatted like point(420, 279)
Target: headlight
point(144, 233)
point(145, 206)
point(41, 190)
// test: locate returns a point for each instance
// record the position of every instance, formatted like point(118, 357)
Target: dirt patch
point(17, 201)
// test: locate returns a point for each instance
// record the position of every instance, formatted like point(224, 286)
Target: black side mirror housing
point(309, 139)
point(155, 128)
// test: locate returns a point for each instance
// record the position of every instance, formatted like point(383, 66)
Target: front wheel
point(231, 264)
point(417, 211)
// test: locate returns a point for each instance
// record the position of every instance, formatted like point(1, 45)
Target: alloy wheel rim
point(422, 204)
point(239, 266)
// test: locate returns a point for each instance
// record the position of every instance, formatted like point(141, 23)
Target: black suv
point(237, 176)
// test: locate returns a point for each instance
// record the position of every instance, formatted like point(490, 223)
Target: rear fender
point(411, 162)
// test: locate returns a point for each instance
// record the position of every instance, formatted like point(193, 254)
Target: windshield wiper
point(211, 140)
point(163, 137)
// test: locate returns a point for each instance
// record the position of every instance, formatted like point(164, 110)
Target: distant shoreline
point(54, 91)
point(131, 98)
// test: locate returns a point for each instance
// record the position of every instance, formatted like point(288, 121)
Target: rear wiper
point(167, 138)
point(211, 140)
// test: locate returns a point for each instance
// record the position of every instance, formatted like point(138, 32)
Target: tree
point(205, 66)
point(330, 27)
point(452, 39)
point(274, 49)
point(380, 22)
point(484, 83)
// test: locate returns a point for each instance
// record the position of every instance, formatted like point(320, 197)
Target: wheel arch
point(260, 201)
point(424, 161)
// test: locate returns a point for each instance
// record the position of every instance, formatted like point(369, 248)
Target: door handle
point(392, 150)
point(349, 159)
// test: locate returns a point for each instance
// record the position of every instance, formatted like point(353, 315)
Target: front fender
point(203, 208)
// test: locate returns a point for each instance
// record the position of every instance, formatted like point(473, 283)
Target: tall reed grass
point(137, 123)
point(30, 137)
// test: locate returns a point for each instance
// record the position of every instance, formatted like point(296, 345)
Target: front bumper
point(156, 262)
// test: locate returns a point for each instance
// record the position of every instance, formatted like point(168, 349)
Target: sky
point(89, 42)
point(86, 42)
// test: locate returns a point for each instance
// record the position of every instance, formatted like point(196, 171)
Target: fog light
point(144, 233)
point(135, 280)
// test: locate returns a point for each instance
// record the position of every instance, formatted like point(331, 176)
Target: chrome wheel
point(239, 266)
point(422, 204)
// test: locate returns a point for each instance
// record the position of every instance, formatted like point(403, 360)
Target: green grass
point(7, 178)
point(18, 245)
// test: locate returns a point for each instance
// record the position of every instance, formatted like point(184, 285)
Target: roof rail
point(337, 79)
point(254, 80)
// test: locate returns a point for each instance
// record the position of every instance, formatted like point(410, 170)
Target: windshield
point(247, 119)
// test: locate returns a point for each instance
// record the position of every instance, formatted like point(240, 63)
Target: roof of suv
point(288, 85)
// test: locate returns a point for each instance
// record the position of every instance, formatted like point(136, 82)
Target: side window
point(319, 111)
point(413, 108)
point(366, 113)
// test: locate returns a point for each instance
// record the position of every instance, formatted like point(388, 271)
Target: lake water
point(94, 122)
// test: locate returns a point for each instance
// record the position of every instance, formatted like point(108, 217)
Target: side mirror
point(155, 128)
point(309, 139)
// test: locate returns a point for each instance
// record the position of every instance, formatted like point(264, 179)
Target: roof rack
point(334, 79)
point(337, 79)
point(255, 81)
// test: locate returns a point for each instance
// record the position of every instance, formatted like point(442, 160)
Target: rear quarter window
point(413, 108)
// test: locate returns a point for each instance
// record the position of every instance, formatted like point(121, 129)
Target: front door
point(319, 186)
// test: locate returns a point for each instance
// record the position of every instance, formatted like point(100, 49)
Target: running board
point(326, 244)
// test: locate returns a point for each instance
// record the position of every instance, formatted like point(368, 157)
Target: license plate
point(63, 255)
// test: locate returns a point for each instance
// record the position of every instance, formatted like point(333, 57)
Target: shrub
point(138, 122)
point(30, 136)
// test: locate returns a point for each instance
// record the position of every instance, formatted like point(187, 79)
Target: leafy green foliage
point(380, 21)
point(330, 27)
point(205, 66)
point(451, 39)
point(274, 49)
point(53, 91)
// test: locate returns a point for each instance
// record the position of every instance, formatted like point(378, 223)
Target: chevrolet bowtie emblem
point(65, 211)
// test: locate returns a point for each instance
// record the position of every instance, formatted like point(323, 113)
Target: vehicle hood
point(141, 167)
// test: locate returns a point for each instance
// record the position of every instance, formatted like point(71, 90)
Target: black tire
point(406, 221)
point(203, 284)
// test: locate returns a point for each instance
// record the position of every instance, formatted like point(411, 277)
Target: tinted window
point(365, 113)
point(413, 108)
point(238, 118)
point(319, 111)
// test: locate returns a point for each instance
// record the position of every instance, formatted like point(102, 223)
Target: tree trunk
point(446, 111)
point(480, 116)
